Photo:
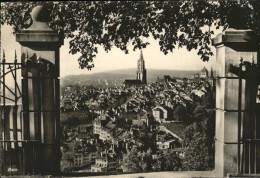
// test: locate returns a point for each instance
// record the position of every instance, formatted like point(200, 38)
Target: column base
point(225, 158)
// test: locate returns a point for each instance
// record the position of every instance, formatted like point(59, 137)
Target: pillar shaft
point(231, 46)
point(40, 83)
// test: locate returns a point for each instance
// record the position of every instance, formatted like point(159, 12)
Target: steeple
point(141, 71)
point(141, 56)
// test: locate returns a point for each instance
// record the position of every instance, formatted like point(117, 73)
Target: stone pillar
point(40, 88)
point(231, 45)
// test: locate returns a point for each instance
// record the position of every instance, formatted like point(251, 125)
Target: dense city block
point(157, 126)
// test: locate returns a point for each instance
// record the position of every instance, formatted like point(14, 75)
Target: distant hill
point(117, 77)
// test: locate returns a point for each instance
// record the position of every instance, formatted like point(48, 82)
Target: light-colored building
point(97, 168)
point(195, 76)
point(169, 144)
point(160, 114)
point(84, 159)
point(97, 127)
point(104, 164)
point(106, 132)
point(204, 73)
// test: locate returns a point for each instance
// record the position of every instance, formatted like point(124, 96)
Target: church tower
point(212, 78)
point(141, 71)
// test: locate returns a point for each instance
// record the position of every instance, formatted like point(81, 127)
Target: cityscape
point(135, 127)
point(130, 89)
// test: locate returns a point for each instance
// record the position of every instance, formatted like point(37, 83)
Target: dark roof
point(196, 79)
point(167, 77)
point(176, 127)
point(132, 82)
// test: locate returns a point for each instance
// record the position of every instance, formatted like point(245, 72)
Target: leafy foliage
point(199, 137)
point(67, 166)
point(89, 25)
point(131, 163)
point(180, 113)
point(141, 161)
point(169, 162)
point(209, 99)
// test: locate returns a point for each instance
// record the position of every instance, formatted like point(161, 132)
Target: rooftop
point(204, 69)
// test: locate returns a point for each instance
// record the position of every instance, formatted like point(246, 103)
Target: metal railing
point(22, 123)
point(248, 136)
point(11, 146)
point(19, 157)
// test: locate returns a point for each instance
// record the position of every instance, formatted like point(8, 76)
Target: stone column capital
point(39, 31)
point(234, 36)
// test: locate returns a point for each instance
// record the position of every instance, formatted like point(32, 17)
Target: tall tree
point(89, 25)
point(182, 113)
point(131, 161)
point(200, 144)
point(168, 161)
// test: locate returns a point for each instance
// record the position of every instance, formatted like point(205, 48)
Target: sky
point(180, 59)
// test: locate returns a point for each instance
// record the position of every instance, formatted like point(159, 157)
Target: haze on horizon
point(180, 59)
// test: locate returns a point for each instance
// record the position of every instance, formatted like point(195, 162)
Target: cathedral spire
point(141, 55)
point(141, 71)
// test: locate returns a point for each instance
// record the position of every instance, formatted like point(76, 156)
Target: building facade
point(160, 114)
point(104, 163)
point(84, 159)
